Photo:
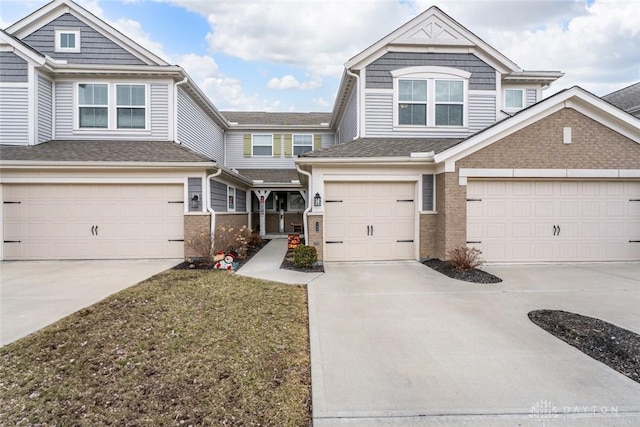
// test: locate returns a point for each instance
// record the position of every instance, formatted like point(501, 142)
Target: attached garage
point(370, 221)
point(552, 220)
point(92, 221)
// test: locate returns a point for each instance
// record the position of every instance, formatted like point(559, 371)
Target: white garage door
point(93, 221)
point(554, 220)
point(369, 221)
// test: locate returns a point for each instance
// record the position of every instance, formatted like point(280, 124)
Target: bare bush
point(232, 239)
point(464, 257)
point(199, 244)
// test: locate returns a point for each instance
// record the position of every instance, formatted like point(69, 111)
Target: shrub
point(199, 244)
point(232, 239)
point(464, 257)
point(255, 242)
point(304, 256)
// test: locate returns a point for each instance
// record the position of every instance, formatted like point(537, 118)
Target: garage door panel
point(596, 220)
point(57, 221)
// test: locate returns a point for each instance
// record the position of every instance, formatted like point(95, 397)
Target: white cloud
point(290, 82)
point(321, 103)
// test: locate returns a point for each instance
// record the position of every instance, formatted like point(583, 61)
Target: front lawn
point(182, 348)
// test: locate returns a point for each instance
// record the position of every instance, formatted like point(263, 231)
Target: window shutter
point(276, 145)
point(317, 141)
point(247, 145)
point(288, 145)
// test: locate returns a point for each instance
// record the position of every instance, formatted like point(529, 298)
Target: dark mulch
point(612, 345)
point(203, 265)
point(471, 275)
point(288, 264)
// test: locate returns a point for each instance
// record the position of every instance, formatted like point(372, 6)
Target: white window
point(513, 99)
point(412, 107)
point(67, 41)
point(131, 106)
point(112, 106)
point(302, 144)
point(262, 145)
point(93, 105)
point(231, 199)
point(449, 102)
point(296, 202)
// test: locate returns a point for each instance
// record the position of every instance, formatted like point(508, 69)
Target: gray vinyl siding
point(378, 75)
point(235, 150)
point(13, 69)
point(349, 123)
point(198, 131)
point(427, 193)
point(379, 117)
point(94, 47)
point(195, 188)
point(45, 110)
point(158, 111)
point(218, 196)
point(159, 104)
point(241, 200)
point(531, 97)
point(14, 115)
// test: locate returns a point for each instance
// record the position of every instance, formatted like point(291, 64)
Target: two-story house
point(435, 140)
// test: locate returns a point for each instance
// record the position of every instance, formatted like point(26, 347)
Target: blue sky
point(288, 55)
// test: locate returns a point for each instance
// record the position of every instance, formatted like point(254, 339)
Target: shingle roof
point(260, 118)
point(102, 151)
point(627, 99)
point(385, 147)
point(270, 175)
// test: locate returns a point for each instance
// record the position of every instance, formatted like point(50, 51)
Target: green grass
point(182, 348)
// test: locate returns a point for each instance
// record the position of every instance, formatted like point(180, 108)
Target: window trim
point(425, 102)
point(231, 207)
point(112, 107)
point(431, 74)
point(138, 107)
point(79, 105)
point(504, 98)
point(436, 102)
point(253, 144)
point(58, 46)
point(293, 143)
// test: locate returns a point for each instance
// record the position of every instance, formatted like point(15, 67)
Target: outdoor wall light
point(195, 202)
point(317, 200)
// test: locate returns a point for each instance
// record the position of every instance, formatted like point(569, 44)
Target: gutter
point(359, 106)
point(305, 214)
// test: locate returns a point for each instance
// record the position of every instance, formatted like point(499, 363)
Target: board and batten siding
point(44, 110)
point(379, 117)
point(348, 126)
point(218, 196)
point(237, 159)
point(158, 111)
point(198, 131)
point(14, 115)
point(13, 69)
point(94, 47)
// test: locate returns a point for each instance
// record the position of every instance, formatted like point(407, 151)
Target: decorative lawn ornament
point(228, 263)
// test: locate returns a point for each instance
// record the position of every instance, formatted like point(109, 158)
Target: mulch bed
point(288, 264)
point(612, 345)
point(473, 275)
point(203, 265)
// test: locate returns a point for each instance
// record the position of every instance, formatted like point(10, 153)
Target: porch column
point(262, 198)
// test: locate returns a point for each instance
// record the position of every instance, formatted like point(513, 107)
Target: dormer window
point(67, 41)
point(430, 97)
point(513, 99)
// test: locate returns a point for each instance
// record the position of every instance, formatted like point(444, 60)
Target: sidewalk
point(266, 265)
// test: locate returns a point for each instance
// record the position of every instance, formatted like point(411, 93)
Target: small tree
point(464, 257)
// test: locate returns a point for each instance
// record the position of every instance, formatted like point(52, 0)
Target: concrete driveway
point(399, 344)
point(37, 293)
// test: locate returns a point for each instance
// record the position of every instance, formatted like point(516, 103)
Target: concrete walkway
point(265, 265)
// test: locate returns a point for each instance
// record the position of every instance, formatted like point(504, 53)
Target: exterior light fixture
point(195, 202)
point(317, 200)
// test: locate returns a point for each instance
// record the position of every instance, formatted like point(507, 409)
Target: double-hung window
point(412, 102)
point(513, 99)
point(449, 101)
point(93, 105)
point(130, 105)
point(262, 145)
point(302, 144)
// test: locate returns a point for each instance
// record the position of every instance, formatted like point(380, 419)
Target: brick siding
point(428, 224)
point(195, 225)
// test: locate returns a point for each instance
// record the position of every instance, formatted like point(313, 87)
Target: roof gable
point(57, 8)
point(627, 98)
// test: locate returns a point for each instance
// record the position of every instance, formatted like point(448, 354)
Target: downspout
point(349, 72)
point(305, 214)
point(208, 199)
point(175, 108)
